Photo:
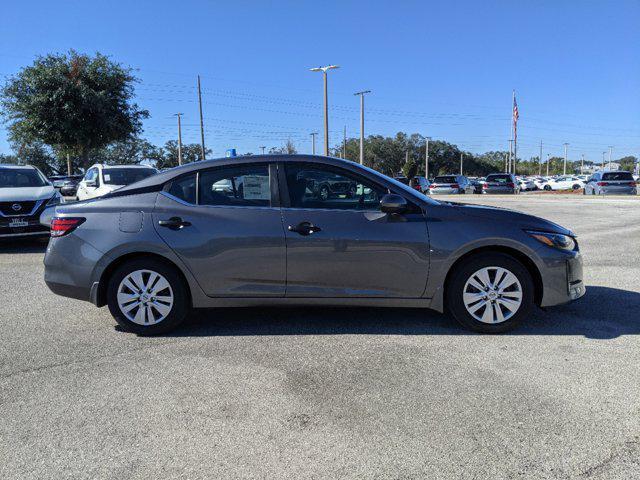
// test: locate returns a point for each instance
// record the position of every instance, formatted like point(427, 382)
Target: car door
point(344, 246)
point(231, 239)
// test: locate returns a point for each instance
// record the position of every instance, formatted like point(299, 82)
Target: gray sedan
point(153, 250)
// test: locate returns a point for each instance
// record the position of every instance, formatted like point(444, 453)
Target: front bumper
point(562, 278)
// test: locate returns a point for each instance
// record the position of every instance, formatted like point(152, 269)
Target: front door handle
point(174, 223)
point(304, 228)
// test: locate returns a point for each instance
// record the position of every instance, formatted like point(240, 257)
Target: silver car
point(153, 250)
point(611, 183)
point(451, 184)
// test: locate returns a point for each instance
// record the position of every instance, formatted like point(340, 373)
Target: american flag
point(515, 118)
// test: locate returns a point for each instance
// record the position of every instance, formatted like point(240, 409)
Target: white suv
point(102, 179)
point(25, 194)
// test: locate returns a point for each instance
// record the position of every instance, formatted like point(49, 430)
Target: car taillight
point(62, 225)
point(455, 185)
point(433, 185)
point(416, 187)
point(632, 184)
point(484, 185)
point(511, 185)
point(602, 184)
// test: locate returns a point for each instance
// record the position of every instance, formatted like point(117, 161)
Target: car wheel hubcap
point(492, 295)
point(145, 297)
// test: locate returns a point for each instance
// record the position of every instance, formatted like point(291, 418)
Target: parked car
point(526, 184)
point(501, 183)
point(451, 184)
point(102, 179)
point(24, 194)
point(154, 249)
point(478, 184)
point(564, 183)
point(540, 182)
point(66, 184)
point(611, 183)
point(421, 184)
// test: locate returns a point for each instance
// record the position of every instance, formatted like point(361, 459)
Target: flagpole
point(515, 136)
point(511, 140)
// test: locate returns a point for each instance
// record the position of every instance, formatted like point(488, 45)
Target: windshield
point(21, 178)
point(620, 176)
point(125, 176)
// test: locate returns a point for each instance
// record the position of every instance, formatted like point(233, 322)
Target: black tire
point(181, 302)
point(575, 186)
point(547, 188)
point(455, 288)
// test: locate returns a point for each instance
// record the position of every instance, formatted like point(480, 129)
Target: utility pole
point(603, 154)
point(582, 164)
point(564, 169)
point(610, 149)
point(460, 163)
point(202, 149)
point(506, 159)
point(362, 94)
point(262, 149)
point(313, 142)
point(548, 164)
point(326, 104)
point(344, 143)
point(69, 165)
point(510, 155)
point(179, 139)
point(426, 158)
point(540, 160)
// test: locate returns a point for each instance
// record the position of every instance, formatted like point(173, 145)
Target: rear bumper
point(619, 191)
point(444, 191)
point(69, 264)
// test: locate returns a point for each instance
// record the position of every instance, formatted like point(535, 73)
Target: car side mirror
point(392, 203)
point(90, 183)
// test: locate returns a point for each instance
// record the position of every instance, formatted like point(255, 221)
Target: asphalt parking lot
point(331, 393)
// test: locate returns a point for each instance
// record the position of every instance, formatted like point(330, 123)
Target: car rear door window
point(184, 188)
point(499, 179)
point(315, 186)
point(240, 185)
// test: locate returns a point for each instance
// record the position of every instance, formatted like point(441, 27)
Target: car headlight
point(555, 240)
point(55, 200)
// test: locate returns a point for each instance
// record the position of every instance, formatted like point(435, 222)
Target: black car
point(326, 186)
point(66, 184)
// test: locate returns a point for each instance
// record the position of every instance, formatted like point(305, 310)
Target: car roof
point(16, 167)
point(120, 166)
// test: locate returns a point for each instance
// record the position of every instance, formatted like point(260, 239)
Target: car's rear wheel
point(490, 293)
point(147, 297)
point(547, 187)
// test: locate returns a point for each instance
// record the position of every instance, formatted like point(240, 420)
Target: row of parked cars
point(600, 183)
point(25, 193)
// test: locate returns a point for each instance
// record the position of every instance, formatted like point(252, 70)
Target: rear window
point(613, 176)
point(499, 178)
point(445, 180)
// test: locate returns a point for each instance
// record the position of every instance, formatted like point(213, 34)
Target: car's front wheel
point(490, 293)
point(147, 297)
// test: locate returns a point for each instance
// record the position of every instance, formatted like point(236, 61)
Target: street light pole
point(603, 154)
point(582, 164)
point(610, 149)
point(548, 155)
point(460, 163)
point(564, 169)
point(362, 123)
point(326, 104)
point(426, 158)
point(263, 150)
point(313, 142)
point(540, 160)
point(179, 139)
point(202, 149)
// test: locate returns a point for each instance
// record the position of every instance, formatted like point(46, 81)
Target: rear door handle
point(304, 228)
point(174, 223)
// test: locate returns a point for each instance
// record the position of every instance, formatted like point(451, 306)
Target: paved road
point(331, 393)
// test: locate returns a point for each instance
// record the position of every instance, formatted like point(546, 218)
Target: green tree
point(131, 151)
point(287, 149)
point(167, 156)
point(627, 163)
point(72, 103)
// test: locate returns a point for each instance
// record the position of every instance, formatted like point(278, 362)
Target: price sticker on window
point(256, 187)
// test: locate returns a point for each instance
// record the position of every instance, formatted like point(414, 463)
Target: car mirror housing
point(90, 183)
point(392, 203)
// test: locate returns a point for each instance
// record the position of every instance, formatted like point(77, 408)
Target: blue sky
point(444, 69)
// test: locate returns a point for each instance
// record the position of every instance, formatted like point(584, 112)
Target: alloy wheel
point(145, 297)
point(492, 295)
